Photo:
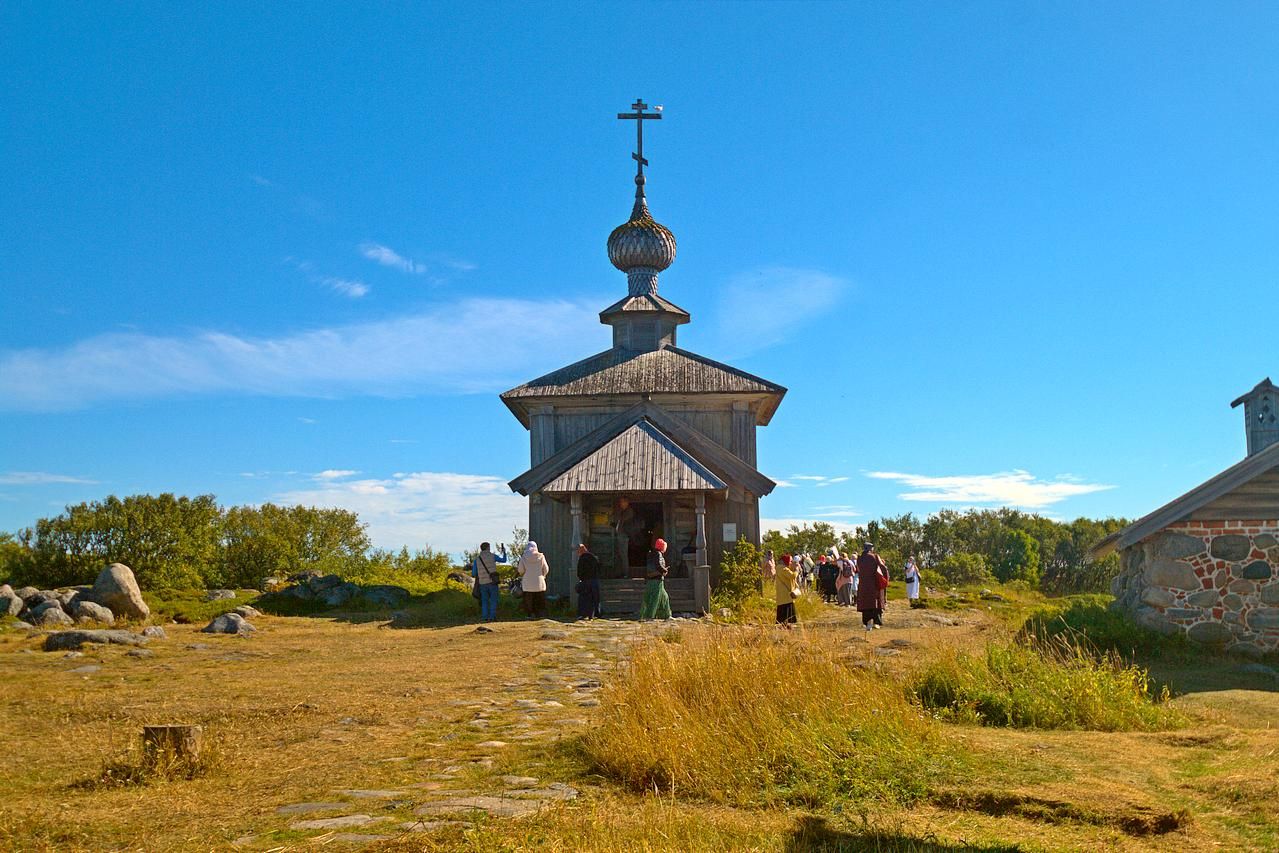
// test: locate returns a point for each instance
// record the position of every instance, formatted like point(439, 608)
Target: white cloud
point(39, 478)
point(451, 512)
point(839, 511)
point(766, 306)
point(1015, 488)
point(418, 353)
point(819, 480)
point(388, 257)
point(345, 286)
point(335, 474)
point(784, 524)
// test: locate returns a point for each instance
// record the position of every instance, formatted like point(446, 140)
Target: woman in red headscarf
point(657, 604)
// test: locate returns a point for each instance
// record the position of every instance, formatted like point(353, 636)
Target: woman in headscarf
point(911, 576)
point(533, 571)
point(657, 604)
point(768, 568)
point(785, 589)
point(845, 582)
point(872, 587)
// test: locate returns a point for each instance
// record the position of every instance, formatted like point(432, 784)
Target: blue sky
point(1001, 253)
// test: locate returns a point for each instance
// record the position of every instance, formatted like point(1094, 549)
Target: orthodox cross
point(638, 117)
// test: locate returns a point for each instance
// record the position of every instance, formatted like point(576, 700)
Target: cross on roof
point(638, 117)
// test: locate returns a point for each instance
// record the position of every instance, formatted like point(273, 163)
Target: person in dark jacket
point(872, 587)
point(657, 604)
point(588, 588)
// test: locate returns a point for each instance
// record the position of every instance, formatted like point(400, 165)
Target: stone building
point(644, 439)
point(1205, 564)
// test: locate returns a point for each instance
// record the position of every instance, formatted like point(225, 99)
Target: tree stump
point(165, 748)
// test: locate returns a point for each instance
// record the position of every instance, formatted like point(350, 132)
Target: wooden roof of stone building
point(1245, 491)
point(620, 371)
point(641, 459)
point(644, 448)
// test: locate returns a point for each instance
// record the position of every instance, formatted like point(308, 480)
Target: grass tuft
point(1088, 621)
point(1043, 685)
point(758, 717)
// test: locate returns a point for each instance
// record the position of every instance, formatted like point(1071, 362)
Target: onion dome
point(641, 247)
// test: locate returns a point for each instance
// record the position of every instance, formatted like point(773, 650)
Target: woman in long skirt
point(845, 582)
point(911, 576)
point(784, 586)
point(872, 587)
point(657, 604)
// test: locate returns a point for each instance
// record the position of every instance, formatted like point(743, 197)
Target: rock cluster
point(115, 594)
point(1214, 581)
point(332, 591)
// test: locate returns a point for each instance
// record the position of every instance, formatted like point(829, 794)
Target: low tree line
point(976, 546)
point(174, 542)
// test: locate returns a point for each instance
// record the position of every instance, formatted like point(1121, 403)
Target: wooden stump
point(168, 747)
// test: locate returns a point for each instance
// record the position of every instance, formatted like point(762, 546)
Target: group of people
point(862, 582)
point(533, 569)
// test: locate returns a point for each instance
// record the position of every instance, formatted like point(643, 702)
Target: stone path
point(550, 697)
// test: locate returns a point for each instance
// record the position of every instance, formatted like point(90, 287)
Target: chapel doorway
point(636, 524)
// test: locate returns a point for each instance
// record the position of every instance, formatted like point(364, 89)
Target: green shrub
point(1054, 685)
point(964, 569)
point(739, 577)
point(1089, 622)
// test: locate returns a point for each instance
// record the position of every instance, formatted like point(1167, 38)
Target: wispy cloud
point(449, 511)
point(417, 353)
point(40, 478)
point(388, 257)
point(349, 287)
point(335, 474)
point(1015, 488)
point(820, 480)
point(763, 307)
point(303, 420)
point(838, 511)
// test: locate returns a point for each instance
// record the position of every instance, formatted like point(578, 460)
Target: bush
point(1056, 685)
point(739, 577)
point(1089, 622)
point(964, 569)
point(758, 718)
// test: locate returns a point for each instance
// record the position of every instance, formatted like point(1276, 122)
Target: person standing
point(767, 568)
point(657, 604)
point(785, 589)
point(872, 587)
point(911, 576)
point(533, 571)
point(484, 570)
point(588, 583)
point(845, 582)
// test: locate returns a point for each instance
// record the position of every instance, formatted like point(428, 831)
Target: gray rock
point(65, 597)
point(117, 589)
point(139, 653)
point(385, 595)
point(308, 808)
point(1155, 621)
point(1209, 634)
point(219, 595)
point(27, 592)
point(82, 609)
point(302, 592)
point(244, 611)
point(1242, 587)
point(228, 623)
point(87, 669)
point(1175, 546)
point(1230, 547)
point(338, 595)
point(1184, 613)
point(74, 655)
point(50, 614)
point(496, 806)
point(11, 604)
point(554, 635)
point(1265, 541)
point(44, 596)
point(1248, 650)
point(1203, 598)
point(320, 583)
point(337, 822)
point(1258, 570)
point(1270, 593)
point(1157, 596)
point(1264, 618)
point(154, 632)
point(63, 640)
point(5, 589)
point(1232, 601)
point(1172, 574)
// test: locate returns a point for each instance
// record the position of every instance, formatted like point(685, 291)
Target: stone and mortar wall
point(1215, 581)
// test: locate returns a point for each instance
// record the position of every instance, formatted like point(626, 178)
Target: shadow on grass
point(815, 835)
point(443, 608)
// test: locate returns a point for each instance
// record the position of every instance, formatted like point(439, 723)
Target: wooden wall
point(1256, 499)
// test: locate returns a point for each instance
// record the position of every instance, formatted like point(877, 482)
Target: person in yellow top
point(785, 591)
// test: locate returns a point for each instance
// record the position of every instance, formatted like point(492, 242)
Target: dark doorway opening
point(636, 524)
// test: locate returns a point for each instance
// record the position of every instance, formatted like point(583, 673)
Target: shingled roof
point(668, 370)
point(641, 459)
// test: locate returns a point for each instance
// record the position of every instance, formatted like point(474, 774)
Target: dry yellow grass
point(309, 707)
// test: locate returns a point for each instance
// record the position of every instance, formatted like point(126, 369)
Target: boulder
point(1209, 634)
point(93, 612)
point(1157, 597)
point(5, 589)
point(301, 591)
point(11, 605)
point(1175, 546)
point(244, 611)
point(1232, 602)
point(1172, 574)
point(117, 589)
point(339, 595)
point(27, 592)
point(1203, 598)
point(65, 597)
point(51, 614)
point(1265, 541)
point(1257, 570)
point(228, 623)
point(219, 595)
point(272, 584)
point(63, 640)
point(43, 596)
point(1230, 547)
point(1263, 619)
point(386, 595)
point(154, 632)
point(1270, 593)
point(322, 582)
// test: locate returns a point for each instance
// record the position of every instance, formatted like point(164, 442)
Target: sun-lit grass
point(1045, 685)
point(781, 720)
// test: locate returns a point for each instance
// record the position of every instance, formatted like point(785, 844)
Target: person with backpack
point(484, 570)
point(872, 587)
point(657, 604)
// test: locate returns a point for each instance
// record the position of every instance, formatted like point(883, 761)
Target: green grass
point(189, 606)
point(1088, 621)
point(1052, 685)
